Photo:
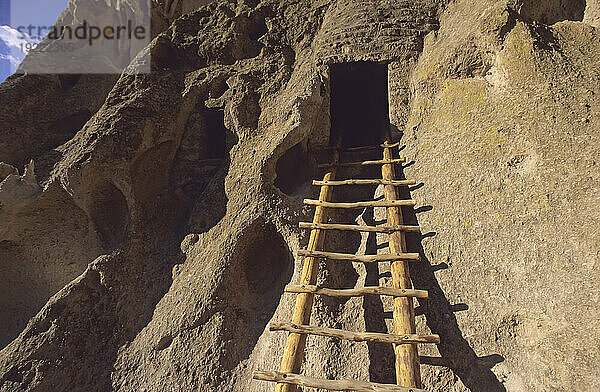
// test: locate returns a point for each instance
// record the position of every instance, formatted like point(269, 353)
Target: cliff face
point(504, 133)
point(147, 245)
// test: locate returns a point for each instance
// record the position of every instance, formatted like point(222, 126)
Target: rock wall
point(512, 189)
point(160, 231)
point(592, 13)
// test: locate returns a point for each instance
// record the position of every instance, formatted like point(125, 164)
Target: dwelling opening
point(359, 103)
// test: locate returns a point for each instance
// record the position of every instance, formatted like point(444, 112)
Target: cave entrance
point(359, 103)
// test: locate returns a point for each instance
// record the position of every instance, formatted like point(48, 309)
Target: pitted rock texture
point(513, 188)
point(149, 224)
point(592, 13)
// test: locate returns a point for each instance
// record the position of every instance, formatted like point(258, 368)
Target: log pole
point(408, 371)
point(293, 354)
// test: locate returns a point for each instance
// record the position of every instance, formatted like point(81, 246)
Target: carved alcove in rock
point(359, 103)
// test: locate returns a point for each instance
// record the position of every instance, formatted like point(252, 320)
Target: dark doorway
point(359, 103)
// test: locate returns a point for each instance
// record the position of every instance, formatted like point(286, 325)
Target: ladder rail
point(408, 369)
point(293, 354)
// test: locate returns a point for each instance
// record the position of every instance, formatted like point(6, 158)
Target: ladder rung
point(363, 163)
point(354, 336)
point(354, 149)
point(332, 385)
point(374, 229)
point(390, 145)
point(358, 292)
point(360, 258)
point(364, 147)
point(365, 182)
point(360, 204)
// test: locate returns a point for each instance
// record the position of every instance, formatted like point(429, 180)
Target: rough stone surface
point(513, 188)
point(592, 13)
point(145, 246)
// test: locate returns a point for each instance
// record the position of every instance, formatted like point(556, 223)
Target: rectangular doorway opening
point(359, 103)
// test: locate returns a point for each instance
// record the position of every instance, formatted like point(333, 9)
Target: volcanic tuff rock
point(148, 224)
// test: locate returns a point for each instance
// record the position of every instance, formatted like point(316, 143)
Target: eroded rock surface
point(151, 248)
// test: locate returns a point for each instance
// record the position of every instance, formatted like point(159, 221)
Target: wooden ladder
point(405, 339)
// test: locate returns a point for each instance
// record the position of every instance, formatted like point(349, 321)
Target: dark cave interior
point(359, 103)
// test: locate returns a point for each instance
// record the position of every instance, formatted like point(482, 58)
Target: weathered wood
point(360, 148)
point(293, 354)
point(359, 258)
point(360, 204)
point(332, 385)
point(396, 144)
point(373, 229)
point(408, 368)
point(357, 292)
point(362, 163)
point(365, 182)
point(353, 336)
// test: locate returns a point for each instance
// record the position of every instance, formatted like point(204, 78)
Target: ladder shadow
point(456, 353)
point(381, 355)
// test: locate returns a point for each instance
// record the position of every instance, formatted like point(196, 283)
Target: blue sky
point(4, 12)
point(35, 12)
point(15, 13)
